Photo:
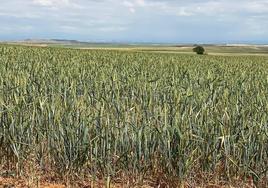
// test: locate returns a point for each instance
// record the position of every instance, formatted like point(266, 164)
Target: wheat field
point(101, 114)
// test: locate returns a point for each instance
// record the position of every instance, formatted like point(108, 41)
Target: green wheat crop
point(102, 113)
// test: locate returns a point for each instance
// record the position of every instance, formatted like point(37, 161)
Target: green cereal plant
point(102, 113)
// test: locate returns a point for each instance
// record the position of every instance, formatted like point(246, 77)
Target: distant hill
point(53, 41)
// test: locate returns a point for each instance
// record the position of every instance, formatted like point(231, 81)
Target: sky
point(136, 21)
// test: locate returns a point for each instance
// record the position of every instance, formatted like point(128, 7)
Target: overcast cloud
point(192, 21)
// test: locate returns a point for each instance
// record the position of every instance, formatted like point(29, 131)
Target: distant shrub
point(199, 50)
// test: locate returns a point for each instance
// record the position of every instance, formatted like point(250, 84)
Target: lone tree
point(199, 50)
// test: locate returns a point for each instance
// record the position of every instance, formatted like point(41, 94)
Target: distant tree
point(199, 50)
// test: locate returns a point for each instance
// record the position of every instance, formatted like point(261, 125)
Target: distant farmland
point(223, 49)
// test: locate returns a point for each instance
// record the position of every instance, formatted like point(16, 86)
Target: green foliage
point(199, 50)
point(93, 112)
